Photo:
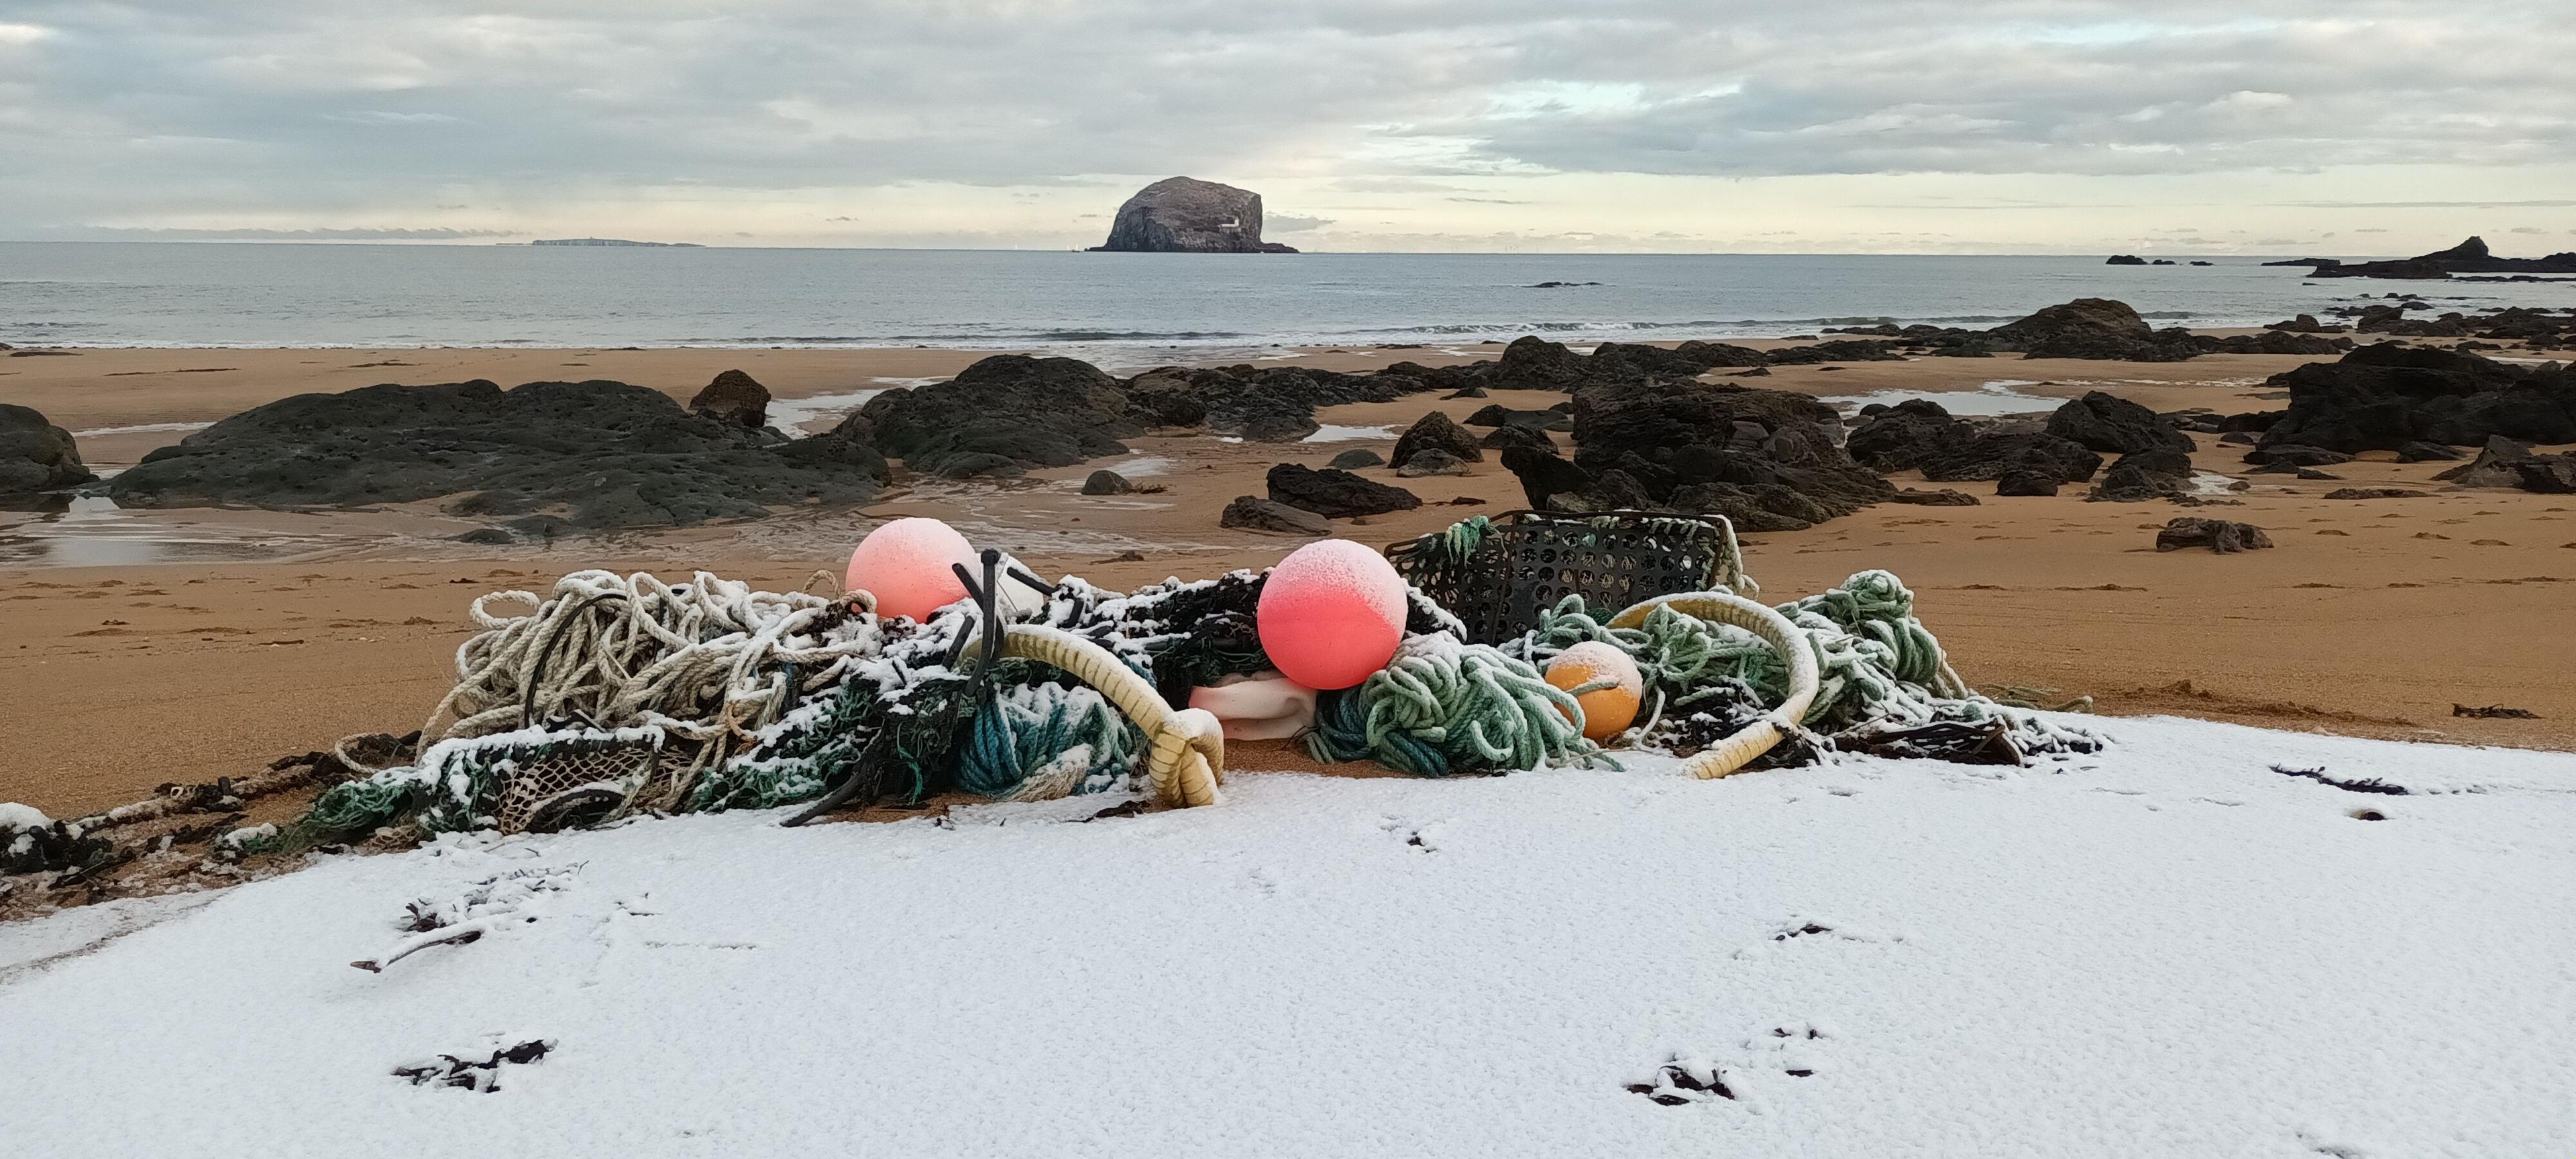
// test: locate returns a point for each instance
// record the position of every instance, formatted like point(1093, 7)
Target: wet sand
point(2372, 617)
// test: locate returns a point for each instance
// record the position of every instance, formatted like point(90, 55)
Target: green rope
point(1442, 707)
point(1025, 742)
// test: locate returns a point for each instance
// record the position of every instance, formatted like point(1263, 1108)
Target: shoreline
point(154, 669)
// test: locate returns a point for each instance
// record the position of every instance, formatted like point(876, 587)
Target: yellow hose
point(1185, 761)
point(1733, 753)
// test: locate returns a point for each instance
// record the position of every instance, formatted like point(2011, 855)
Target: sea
point(1115, 309)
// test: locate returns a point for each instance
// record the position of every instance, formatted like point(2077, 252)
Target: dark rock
point(1107, 483)
point(1186, 215)
point(2023, 482)
point(2293, 455)
point(1432, 461)
point(2217, 535)
point(1534, 363)
point(734, 397)
point(2304, 324)
point(1357, 458)
point(2468, 257)
point(1253, 513)
point(1903, 436)
point(1838, 351)
point(2153, 473)
point(2124, 260)
point(2083, 315)
point(1517, 436)
point(2114, 425)
point(606, 454)
point(1544, 476)
point(2424, 452)
point(1336, 494)
point(1032, 412)
point(1498, 415)
point(2505, 462)
point(2383, 397)
point(1940, 498)
point(36, 455)
point(1756, 372)
point(2373, 493)
point(1466, 392)
point(1698, 446)
point(2237, 438)
point(2313, 475)
point(1435, 431)
point(1997, 455)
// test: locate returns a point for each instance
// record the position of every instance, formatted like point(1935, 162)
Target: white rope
point(702, 659)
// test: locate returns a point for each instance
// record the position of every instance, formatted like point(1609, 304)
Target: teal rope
point(1441, 707)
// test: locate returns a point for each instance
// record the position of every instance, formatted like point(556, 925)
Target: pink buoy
point(1331, 614)
point(905, 565)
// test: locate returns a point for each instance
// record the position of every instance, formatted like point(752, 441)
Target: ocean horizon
point(1111, 307)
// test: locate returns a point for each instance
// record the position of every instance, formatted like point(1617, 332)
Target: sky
point(2178, 127)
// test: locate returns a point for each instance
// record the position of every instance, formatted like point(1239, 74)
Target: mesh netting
point(1500, 575)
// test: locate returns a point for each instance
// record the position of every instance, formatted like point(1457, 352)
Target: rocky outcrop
point(1768, 460)
point(1903, 436)
point(1335, 494)
point(1254, 513)
point(36, 455)
point(1357, 458)
point(572, 455)
point(2018, 457)
point(2114, 425)
point(1436, 432)
point(2468, 257)
point(734, 397)
point(2124, 260)
point(1005, 414)
point(2151, 473)
point(1431, 461)
point(2217, 535)
point(1187, 215)
point(2507, 462)
point(2383, 397)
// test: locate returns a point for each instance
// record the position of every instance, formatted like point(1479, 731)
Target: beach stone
point(2424, 452)
point(2385, 396)
point(2154, 473)
point(1903, 436)
point(604, 454)
point(2507, 462)
point(2237, 439)
point(1336, 494)
point(1107, 483)
point(1253, 513)
point(1466, 392)
point(1943, 497)
point(1435, 432)
point(734, 397)
point(1721, 448)
point(2292, 455)
point(1187, 215)
point(2373, 493)
point(1517, 436)
point(1357, 458)
point(2026, 483)
point(1534, 363)
point(1034, 412)
point(1432, 461)
point(1840, 350)
point(2114, 425)
point(1545, 476)
point(36, 455)
point(1994, 455)
point(2217, 535)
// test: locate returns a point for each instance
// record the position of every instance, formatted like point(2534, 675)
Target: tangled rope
point(1442, 707)
point(705, 659)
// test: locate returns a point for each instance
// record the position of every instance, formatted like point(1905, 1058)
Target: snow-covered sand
point(2167, 949)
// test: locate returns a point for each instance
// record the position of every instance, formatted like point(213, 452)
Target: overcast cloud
point(1672, 124)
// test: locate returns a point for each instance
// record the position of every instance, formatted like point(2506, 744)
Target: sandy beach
point(236, 637)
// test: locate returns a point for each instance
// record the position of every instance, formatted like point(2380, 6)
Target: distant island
point(685, 245)
point(1184, 215)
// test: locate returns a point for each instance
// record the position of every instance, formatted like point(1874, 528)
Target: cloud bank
point(1008, 118)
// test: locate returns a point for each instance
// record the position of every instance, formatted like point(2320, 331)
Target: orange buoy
point(1607, 711)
